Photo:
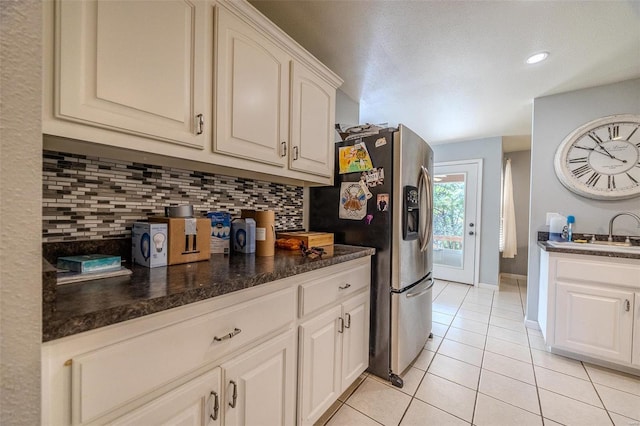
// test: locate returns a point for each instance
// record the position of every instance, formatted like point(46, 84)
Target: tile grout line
point(475, 402)
point(597, 393)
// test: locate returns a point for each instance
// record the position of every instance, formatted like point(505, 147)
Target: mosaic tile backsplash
point(87, 197)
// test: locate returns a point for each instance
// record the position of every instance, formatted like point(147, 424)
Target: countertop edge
point(601, 253)
point(53, 328)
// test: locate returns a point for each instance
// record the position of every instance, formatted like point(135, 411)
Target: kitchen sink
point(597, 246)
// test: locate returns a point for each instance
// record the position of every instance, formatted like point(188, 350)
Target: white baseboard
point(488, 286)
point(516, 276)
point(532, 324)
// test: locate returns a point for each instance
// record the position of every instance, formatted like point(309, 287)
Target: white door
point(252, 93)
point(313, 103)
point(594, 320)
point(355, 340)
point(260, 385)
point(319, 383)
point(456, 220)
point(134, 66)
point(635, 356)
point(195, 403)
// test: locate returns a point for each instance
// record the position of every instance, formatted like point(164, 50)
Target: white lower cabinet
point(590, 306)
point(230, 360)
point(334, 351)
point(259, 386)
point(195, 403)
point(595, 320)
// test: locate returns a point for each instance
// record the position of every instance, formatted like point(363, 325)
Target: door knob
point(471, 225)
point(471, 233)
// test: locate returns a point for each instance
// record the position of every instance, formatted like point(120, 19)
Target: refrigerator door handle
point(421, 292)
point(426, 212)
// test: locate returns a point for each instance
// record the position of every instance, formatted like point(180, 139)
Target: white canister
point(556, 226)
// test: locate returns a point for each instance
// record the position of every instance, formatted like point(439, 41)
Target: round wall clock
point(601, 159)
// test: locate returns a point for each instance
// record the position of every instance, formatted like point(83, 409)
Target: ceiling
point(455, 70)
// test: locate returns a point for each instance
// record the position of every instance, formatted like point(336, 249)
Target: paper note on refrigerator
point(354, 158)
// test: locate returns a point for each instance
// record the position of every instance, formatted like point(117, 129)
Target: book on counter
point(89, 263)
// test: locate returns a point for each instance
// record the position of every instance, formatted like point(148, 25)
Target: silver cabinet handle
point(627, 305)
point(341, 328)
point(348, 324)
point(199, 124)
point(234, 396)
point(344, 287)
point(284, 148)
point(234, 333)
point(216, 406)
point(295, 152)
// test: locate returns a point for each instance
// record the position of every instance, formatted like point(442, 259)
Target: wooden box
point(189, 239)
point(310, 239)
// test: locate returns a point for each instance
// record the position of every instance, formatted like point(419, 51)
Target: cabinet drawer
point(111, 376)
point(329, 289)
point(598, 272)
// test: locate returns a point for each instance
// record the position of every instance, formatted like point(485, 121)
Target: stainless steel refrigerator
point(383, 199)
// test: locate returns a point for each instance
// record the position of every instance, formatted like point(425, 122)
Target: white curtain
point(509, 215)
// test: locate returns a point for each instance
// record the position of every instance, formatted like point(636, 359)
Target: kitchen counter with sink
point(92, 304)
point(598, 248)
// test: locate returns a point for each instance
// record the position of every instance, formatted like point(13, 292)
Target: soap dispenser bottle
point(570, 221)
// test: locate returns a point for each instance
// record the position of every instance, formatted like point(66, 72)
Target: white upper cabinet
point(313, 103)
point(137, 67)
point(252, 93)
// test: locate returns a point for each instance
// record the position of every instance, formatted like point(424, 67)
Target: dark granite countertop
point(92, 304)
point(548, 247)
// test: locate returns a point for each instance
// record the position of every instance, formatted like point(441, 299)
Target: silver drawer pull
point(234, 396)
point(216, 406)
point(344, 287)
point(234, 333)
point(348, 323)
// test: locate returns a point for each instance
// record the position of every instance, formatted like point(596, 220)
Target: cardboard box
point(220, 231)
point(189, 238)
point(310, 239)
point(149, 244)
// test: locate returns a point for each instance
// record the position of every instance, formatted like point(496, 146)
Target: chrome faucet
point(635, 216)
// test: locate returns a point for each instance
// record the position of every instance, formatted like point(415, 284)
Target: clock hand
point(600, 152)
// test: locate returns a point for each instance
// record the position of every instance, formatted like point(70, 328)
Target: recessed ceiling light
point(537, 57)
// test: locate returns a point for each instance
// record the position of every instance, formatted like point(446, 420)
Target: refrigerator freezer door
point(412, 161)
point(411, 315)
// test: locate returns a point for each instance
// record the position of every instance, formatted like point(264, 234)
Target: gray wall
point(490, 150)
point(554, 117)
point(520, 172)
point(347, 111)
point(20, 210)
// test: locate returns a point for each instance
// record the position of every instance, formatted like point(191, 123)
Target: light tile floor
point(483, 367)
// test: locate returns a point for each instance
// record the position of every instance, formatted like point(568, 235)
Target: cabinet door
point(133, 66)
point(312, 122)
point(260, 385)
point(252, 93)
point(319, 378)
point(594, 320)
point(355, 343)
point(196, 403)
point(635, 357)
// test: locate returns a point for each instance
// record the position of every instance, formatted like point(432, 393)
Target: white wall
point(520, 172)
point(20, 211)
point(554, 117)
point(347, 111)
point(490, 150)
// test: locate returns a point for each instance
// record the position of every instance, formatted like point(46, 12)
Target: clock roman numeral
point(581, 171)
point(614, 131)
point(611, 182)
point(632, 133)
point(593, 179)
point(595, 138)
point(578, 160)
point(632, 179)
